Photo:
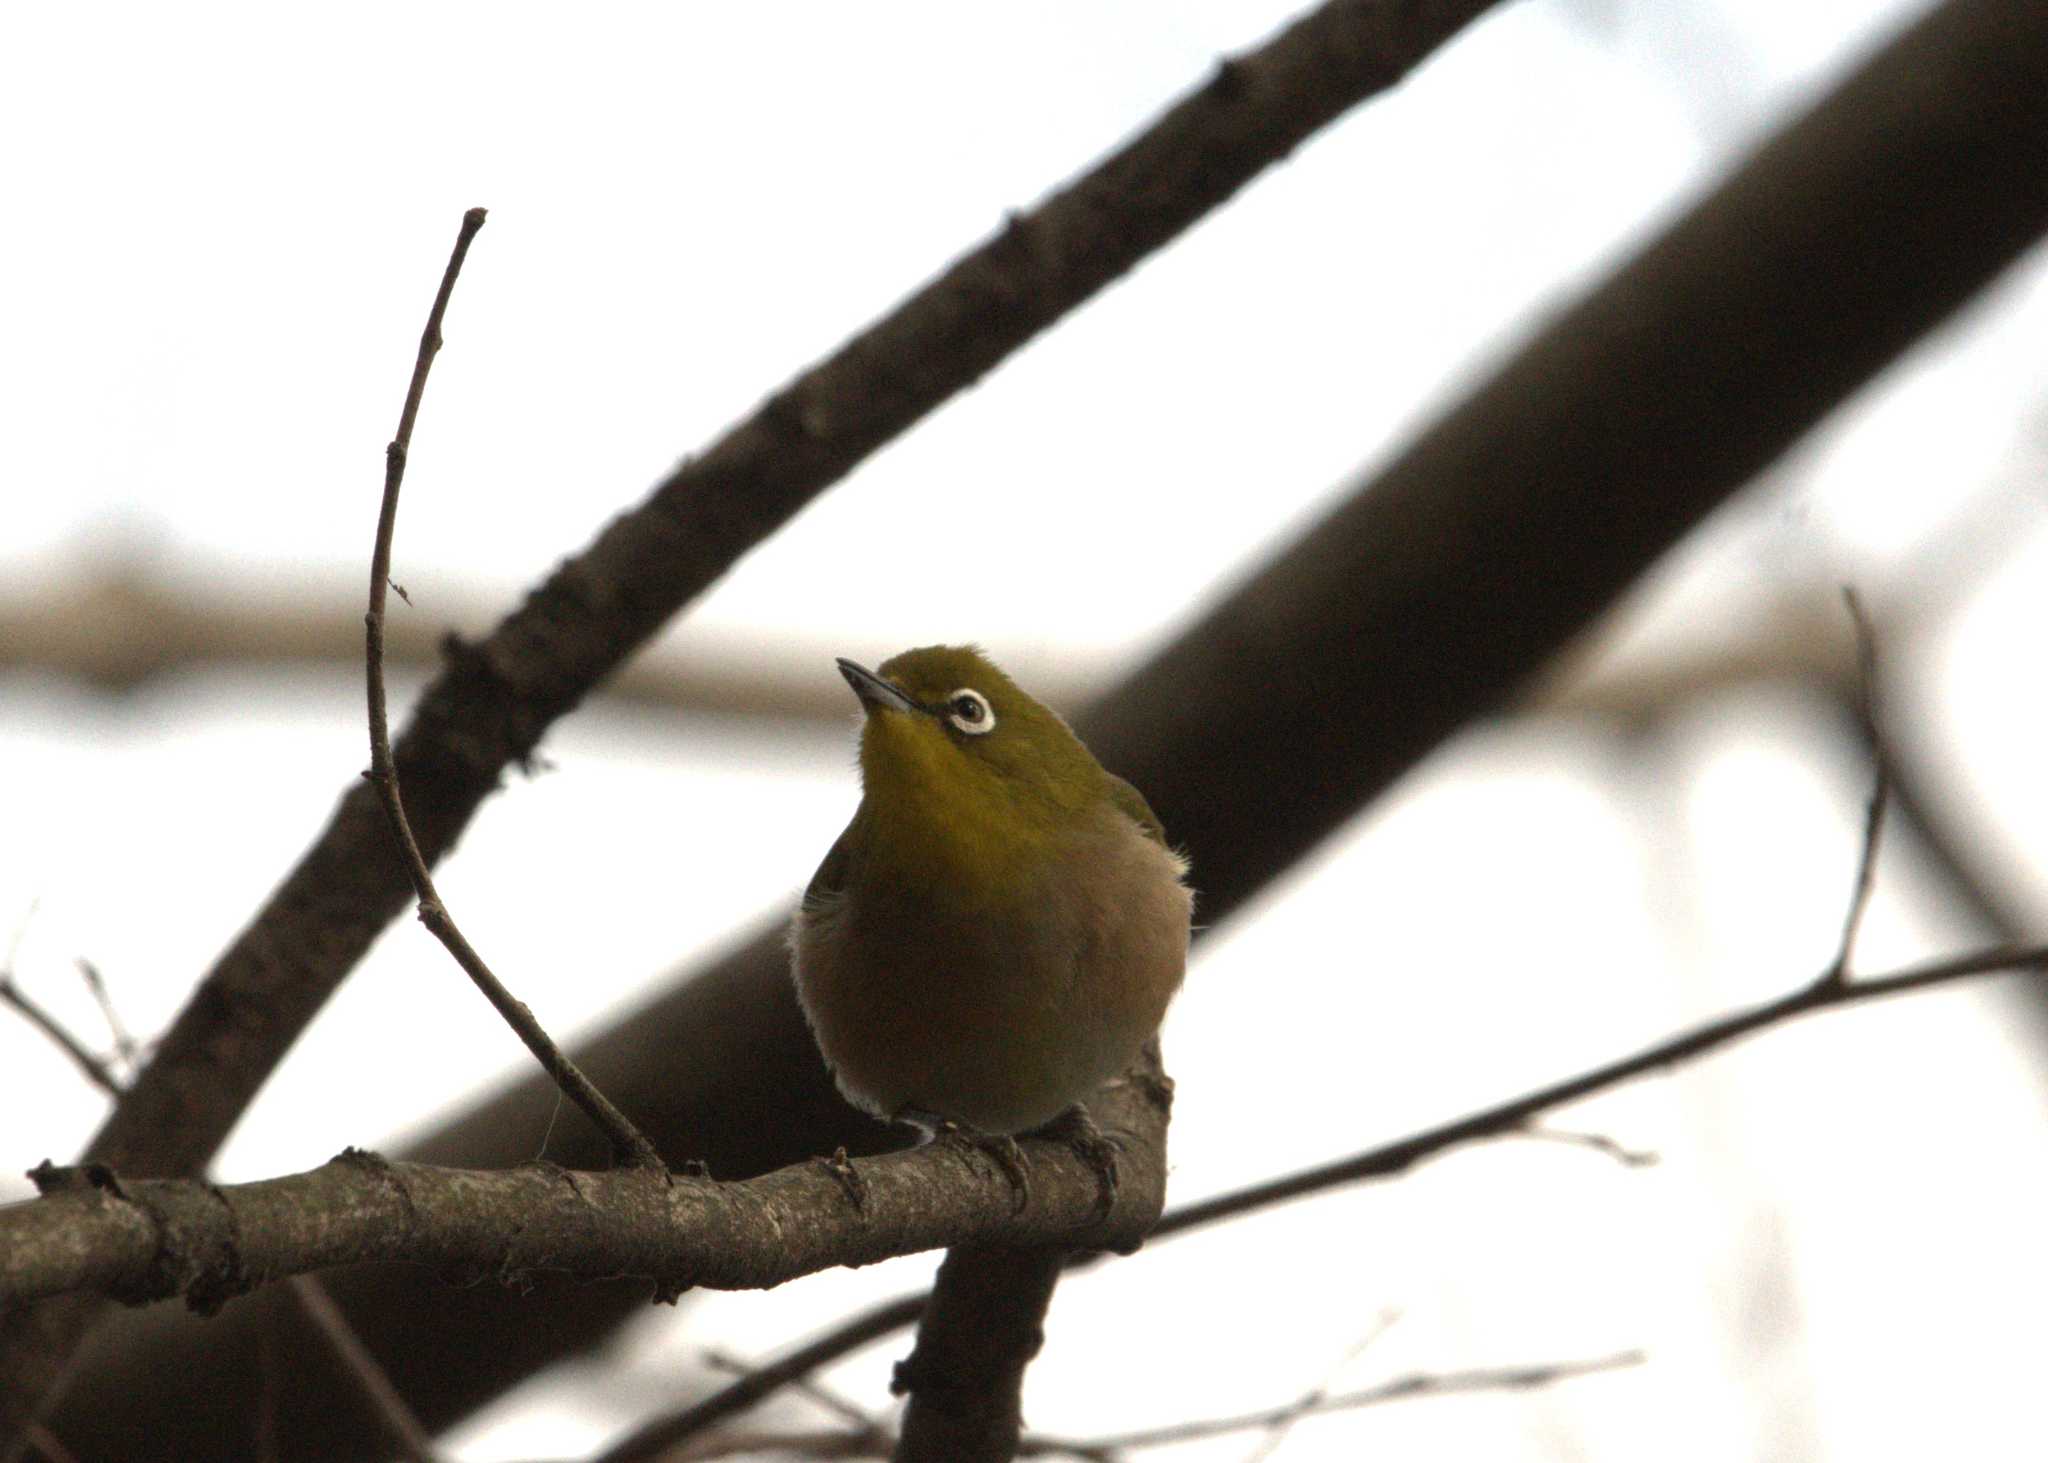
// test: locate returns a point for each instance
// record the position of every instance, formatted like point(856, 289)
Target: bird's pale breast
point(1002, 1011)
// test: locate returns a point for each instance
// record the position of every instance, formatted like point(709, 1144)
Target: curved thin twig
point(628, 1142)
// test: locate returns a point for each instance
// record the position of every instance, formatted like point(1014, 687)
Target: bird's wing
point(830, 880)
point(1131, 803)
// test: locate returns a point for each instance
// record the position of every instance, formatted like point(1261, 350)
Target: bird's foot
point(999, 1148)
point(1094, 1147)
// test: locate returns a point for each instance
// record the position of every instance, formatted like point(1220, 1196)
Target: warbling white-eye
point(999, 929)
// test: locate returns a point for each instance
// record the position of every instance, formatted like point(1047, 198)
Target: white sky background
point(223, 228)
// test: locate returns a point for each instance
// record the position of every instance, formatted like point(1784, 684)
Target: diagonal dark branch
point(627, 1141)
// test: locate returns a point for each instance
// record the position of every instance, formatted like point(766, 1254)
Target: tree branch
point(965, 1379)
point(151, 1239)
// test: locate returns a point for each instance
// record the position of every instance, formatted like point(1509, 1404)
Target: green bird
point(1001, 926)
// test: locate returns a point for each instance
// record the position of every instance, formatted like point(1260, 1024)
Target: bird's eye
point(969, 710)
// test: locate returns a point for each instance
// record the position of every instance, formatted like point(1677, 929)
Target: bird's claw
point(1092, 1146)
point(999, 1148)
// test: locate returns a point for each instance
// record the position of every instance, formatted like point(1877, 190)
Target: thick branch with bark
point(150, 1239)
point(1422, 601)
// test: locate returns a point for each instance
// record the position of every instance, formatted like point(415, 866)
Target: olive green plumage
point(1001, 926)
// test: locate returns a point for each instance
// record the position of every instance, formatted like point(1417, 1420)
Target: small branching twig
point(628, 1142)
point(650, 1442)
point(1620, 1152)
point(96, 1071)
point(126, 1048)
point(1316, 1397)
point(808, 1388)
point(1401, 1389)
point(866, 1438)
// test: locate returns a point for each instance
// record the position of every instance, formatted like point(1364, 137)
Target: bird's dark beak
point(875, 693)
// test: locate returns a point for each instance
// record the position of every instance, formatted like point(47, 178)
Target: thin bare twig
point(646, 1444)
point(96, 1071)
point(384, 1398)
point(866, 1438)
point(813, 1444)
point(125, 1045)
point(808, 1388)
point(1277, 1430)
point(1620, 1152)
point(628, 1142)
point(1880, 787)
point(1820, 994)
point(1401, 1389)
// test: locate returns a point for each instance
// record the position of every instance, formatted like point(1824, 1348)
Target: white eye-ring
point(969, 710)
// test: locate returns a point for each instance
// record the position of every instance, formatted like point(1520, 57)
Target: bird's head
point(948, 730)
